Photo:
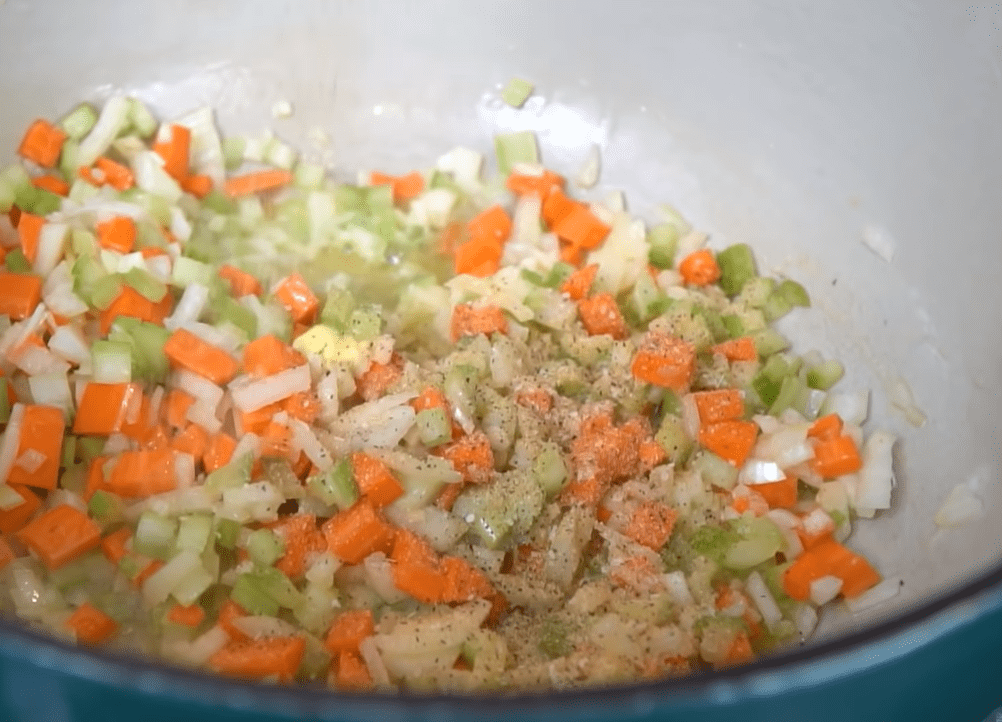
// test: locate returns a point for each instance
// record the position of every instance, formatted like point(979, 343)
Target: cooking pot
point(856, 146)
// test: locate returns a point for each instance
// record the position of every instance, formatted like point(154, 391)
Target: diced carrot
point(828, 557)
point(142, 473)
point(836, 456)
point(52, 184)
point(471, 456)
point(352, 675)
point(256, 422)
point(580, 228)
point(348, 630)
point(114, 546)
point(405, 187)
point(556, 206)
point(539, 399)
point(7, 554)
point(176, 406)
point(737, 349)
point(294, 293)
point(524, 184)
point(130, 302)
point(666, 361)
point(449, 238)
point(478, 257)
point(637, 573)
point(304, 406)
point(42, 143)
point(257, 182)
point(116, 175)
point(302, 540)
point(152, 252)
point(218, 452)
point(651, 454)
point(600, 315)
point(103, 407)
point(779, 494)
point(416, 570)
point(740, 651)
point(186, 350)
point(375, 380)
point(463, 581)
point(16, 517)
point(718, 405)
point(241, 283)
point(470, 321)
point(651, 524)
point(29, 228)
point(276, 441)
point(699, 268)
point(42, 429)
point(193, 440)
point(375, 480)
point(732, 440)
point(258, 658)
point(601, 454)
point(91, 625)
point(117, 234)
point(578, 284)
point(267, 355)
point(493, 224)
point(175, 151)
point(228, 612)
point(602, 514)
point(357, 532)
point(20, 293)
point(187, 616)
point(198, 185)
point(430, 398)
point(826, 428)
point(60, 535)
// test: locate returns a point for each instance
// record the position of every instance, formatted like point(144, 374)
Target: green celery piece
point(756, 291)
point(68, 454)
point(737, 267)
point(760, 540)
point(663, 242)
point(433, 426)
point(337, 310)
point(789, 391)
point(218, 202)
point(4, 403)
point(89, 447)
point(776, 306)
point(145, 284)
point(713, 541)
point(141, 119)
point(227, 531)
point(228, 309)
point(13, 179)
point(714, 469)
point(549, 469)
point(105, 508)
point(36, 201)
point(148, 359)
point(194, 532)
point(733, 325)
point(349, 199)
point(336, 485)
point(265, 547)
point(366, 323)
point(513, 148)
point(554, 639)
point(233, 475)
point(104, 290)
point(155, 535)
point(16, 262)
point(516, 92)
point(74, 478)
point(68, 160)
point(769, 341)
point(308, 175)
point(233, 151)
point(825, 375)
point(673, 439)
point(112, 361)
point(505, 508)
point(83, 243)
point(249, 593)
point(794, 293)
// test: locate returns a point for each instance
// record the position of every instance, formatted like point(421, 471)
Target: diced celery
point(218, 202)
point(74, 478)
point(37, 201)
point(68, 161)
point(549, 469)
point(248, 593)
point(103, 290)
point(105, 508)
point(147, 346)
point(775, 307)
point(155, 535)
point(825, 375)
point(760, 540)
point(737, 267)
point(187, 271)
point(504, 508)
point(145, 284)
point(193, 532)
point(460, 390)
point(733, 325)
point(673, 439)
point(264, 547)
point(337, 309)
point(89, 447)
point(713, 541)
point(646, 300)
point(141, 119)
point(335, 486)
point(516, 92)
point(663, 241)
point(4, 403)
point(769, 341)
point(16, 262)
point(689, 325)
point(433, 426)
point(82, 242)
point(233, 151)
point(228, 310)
point(227, 531)
point(714, 470)
point(794, 293)
point(235, 474)
point(112, 362)
point(193, 585)
point(513, 148)
point(308, 175)
point(714, 322)
point(790, 390)
point(366, 323)
point(554, 639)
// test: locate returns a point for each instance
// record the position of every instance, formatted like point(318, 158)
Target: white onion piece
point(767, 424)
point(763, 599)
point(678, 588)
point(11, 441)
point(304, 440)
point(34, 360)
point(253, 394)
point(374, 662)
point(878, 594)
point(205, 416)
point(68, 343)
point(876, 476)
point(190, 307)
point(805, 618)
point(184, 469)
point(201, 388)
point(960, 507)
point(760, 471)
point(852, 406)
point(379, 578)
point(825, 589)
point(587, 176)
point(690, 416)
point(260, 626)
point(198, 651)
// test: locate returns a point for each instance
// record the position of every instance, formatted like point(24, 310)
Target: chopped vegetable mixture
point(426, 431)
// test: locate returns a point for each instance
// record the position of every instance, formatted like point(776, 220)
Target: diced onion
point(253, 394)
point(805, 618)
point(760, 471)
point(374, 662)
point(825, 589)
point(960, 507)
point(11, 441)
point(261, 626)
point(763, 599)
point(876, 476)
point(878, 594)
